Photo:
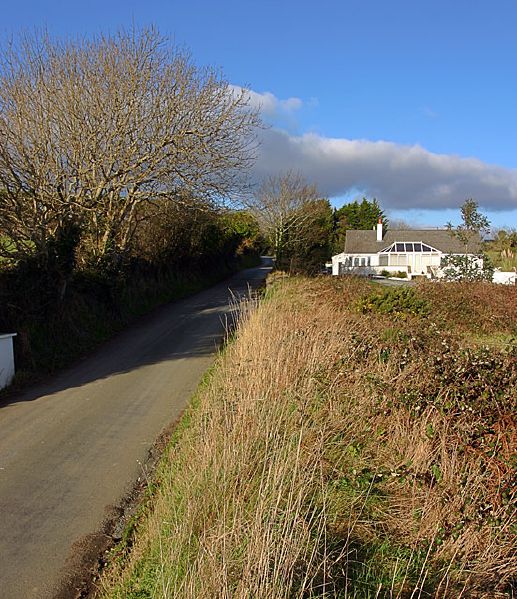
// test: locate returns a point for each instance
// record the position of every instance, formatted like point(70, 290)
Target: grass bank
point(351, 442)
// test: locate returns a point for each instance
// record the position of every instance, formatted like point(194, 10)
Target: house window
point(383, 259)
point(430, 260)
point(363, 261)
point(398, 260)
point(356, 261)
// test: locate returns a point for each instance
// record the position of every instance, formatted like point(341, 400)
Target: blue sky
point(436, 80)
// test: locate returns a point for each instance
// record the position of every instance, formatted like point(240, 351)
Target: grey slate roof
point(365, 242)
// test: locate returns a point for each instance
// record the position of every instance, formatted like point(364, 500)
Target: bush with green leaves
point(467, 268)
point(402, 300)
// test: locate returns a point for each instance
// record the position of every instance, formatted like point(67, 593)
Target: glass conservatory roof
point(409, 246)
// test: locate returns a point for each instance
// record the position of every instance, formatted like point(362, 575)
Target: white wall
point(6, 360)
point(418, 263)
point(335, 263)
point(505, 278)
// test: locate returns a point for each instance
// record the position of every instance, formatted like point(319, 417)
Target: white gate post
point(6, 359)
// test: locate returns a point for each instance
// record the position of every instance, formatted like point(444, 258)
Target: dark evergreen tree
point(356, 215)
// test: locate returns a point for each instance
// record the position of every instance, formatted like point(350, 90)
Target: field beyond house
point(351, 441)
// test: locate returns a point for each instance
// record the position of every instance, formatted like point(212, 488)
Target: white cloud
point(400, 176)
point(271, 107)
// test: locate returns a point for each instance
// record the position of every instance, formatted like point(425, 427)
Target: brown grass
point(331, 455)
point(474, 307)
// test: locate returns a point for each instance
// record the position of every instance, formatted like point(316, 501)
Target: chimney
point(379, 229)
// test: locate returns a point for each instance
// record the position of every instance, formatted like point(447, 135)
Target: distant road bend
point(73, 447)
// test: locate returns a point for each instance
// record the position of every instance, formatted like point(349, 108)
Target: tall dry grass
point(329, 456)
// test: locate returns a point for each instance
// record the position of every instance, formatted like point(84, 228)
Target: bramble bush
point(404, 300)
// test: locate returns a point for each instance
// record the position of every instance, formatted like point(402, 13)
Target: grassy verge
point(351, 442)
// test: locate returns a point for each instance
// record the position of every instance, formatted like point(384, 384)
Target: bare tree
point(91, 130)
point(399, 224)
point(278, 205)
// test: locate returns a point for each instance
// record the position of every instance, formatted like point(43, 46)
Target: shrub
point(385, 273)
point(403, 300)
point(467, 268)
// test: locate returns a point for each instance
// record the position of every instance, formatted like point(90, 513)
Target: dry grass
point(330, 455)
point(474, 308)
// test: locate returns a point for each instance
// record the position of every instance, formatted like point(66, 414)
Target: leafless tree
point(90, 130)
point(278, 205)
point(399, 224)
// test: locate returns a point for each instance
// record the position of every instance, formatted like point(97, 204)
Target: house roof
point(365, 242)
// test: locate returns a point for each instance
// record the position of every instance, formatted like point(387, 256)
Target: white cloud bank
point(401, 177)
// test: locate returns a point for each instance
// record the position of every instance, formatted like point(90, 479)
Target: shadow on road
point(193, 326)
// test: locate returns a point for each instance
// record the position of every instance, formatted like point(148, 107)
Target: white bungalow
point(416, 252)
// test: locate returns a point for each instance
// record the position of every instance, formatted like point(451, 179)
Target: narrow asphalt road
point(74, 447)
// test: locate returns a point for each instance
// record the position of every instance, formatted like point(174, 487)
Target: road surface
point(72, 448)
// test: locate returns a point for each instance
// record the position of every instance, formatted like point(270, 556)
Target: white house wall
point(336, 261)
point(417, 261)
point(414, 263)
